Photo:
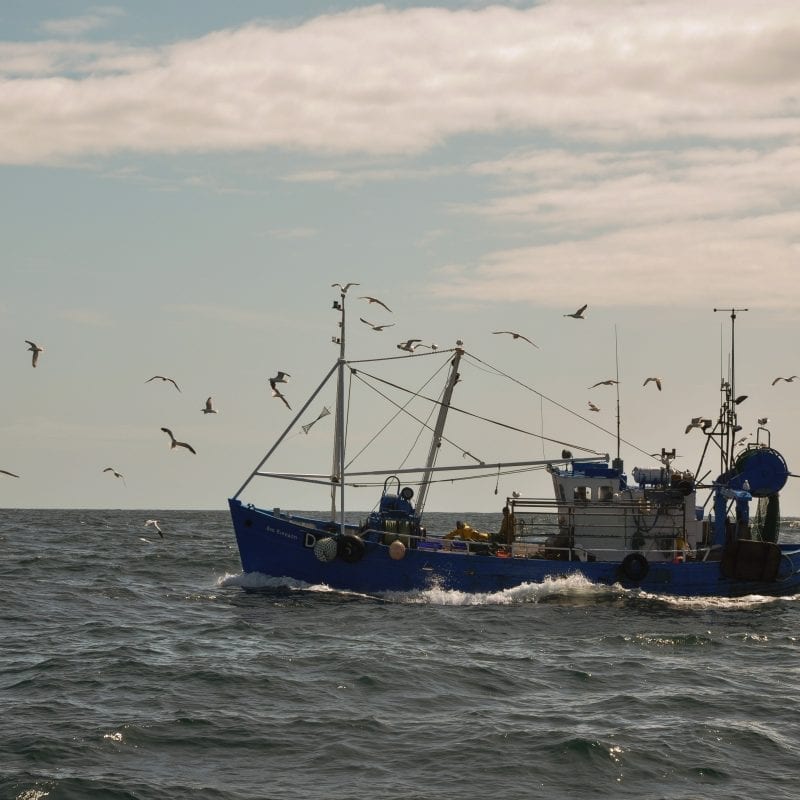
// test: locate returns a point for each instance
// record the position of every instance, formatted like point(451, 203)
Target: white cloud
point(644, 228)
point(687, 264)
point(616, 72)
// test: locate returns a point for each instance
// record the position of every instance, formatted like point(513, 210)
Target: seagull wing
point(169, 433)
point(187, 446)
point(375, 300)
point(11, 474)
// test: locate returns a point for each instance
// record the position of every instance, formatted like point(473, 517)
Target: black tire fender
point(634, 567)
point(351, 548)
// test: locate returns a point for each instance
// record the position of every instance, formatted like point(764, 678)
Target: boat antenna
point(616, 357)
point(730, 400)
point(337, 468)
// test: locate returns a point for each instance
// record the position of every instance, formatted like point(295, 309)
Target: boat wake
point(573, 590)
point(259, 582)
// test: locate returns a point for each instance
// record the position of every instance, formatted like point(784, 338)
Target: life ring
point(634, 567)
point(351, 548)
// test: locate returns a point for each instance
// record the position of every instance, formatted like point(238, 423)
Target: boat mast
point(436, 441)
point(729, 400)
point(337, 468)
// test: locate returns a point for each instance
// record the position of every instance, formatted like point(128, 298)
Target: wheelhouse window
point(605, 494)
point(582, 493)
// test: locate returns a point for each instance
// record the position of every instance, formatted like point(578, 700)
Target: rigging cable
point(559, 405)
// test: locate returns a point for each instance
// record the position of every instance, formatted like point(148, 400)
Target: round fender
point(351, 548)
point(634, 567)
point(325, 549)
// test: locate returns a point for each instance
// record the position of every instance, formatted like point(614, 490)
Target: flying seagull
point(164, 378)
point(116, 474)
point(410, 345)
point(376, 327)
point(35, 349)
point(698, 422)
point(375, 300)
point(344, 288)
point(175, 443)
point(279, 378)
point(657, 382)
point(324, 413)
point(763, 420)
point(779, 378)
point(154, 523)
point(209, 409)
point(609, 382)
point(518, 336)
point(579, 313)
point(11, 474)
point(592, 406)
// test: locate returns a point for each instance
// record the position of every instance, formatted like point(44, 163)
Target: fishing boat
point(661, 530)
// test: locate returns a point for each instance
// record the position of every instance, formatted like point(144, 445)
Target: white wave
point(261, 582)
point(573, 586)
point(717, 603)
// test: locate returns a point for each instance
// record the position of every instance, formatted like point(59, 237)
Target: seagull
point(515, 495)
point(609, 382)
point(35, 349)
point(698, 422)
point(209, 409)
point(11, 474)
point(376, 327)
point(779, 378)
point(279, 378)
point(175, 443)
point(579, 313)
point(116, 474)
point(519, 336)
point(763, 420)
point(375, 300)
point(657, 382)
point(154, 523)
point(410, 345)
point(277, 393)
point(592, 406)
point(164, 378)
point(344, 288)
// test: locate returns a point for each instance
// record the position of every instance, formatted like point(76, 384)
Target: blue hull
point(283, 546)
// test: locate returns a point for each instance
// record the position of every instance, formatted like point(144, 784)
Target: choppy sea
point(138, 667)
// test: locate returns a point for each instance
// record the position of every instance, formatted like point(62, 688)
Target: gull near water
point(115, 473)
point(154, 523)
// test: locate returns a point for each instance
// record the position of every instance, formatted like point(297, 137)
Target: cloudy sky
point(182, 182)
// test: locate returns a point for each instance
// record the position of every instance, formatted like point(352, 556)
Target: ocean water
point(138, 667)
